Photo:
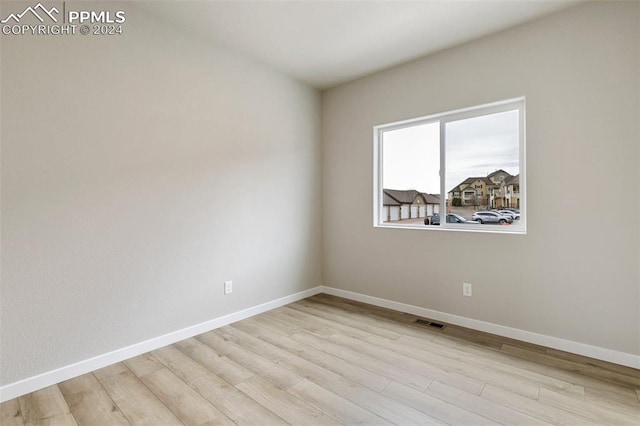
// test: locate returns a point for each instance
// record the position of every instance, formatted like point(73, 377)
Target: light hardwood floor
point(328, 361)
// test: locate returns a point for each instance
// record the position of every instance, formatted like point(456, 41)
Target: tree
point(477, 201)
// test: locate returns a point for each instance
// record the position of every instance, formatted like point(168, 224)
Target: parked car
point(451, 218)
point(511, 213)
point(454, 218)
point(507, 213)
point(491, 217)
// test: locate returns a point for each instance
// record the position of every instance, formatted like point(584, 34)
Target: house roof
point(431, 198)
point(468, 181)
point(402, 196)
point(490, 175)
point(388, 200)
point(473, 179)
point(487, 180)
point(396, 197)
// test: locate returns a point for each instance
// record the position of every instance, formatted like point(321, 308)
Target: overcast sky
point(474, 147)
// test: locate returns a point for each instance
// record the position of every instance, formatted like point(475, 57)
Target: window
point(442, 162)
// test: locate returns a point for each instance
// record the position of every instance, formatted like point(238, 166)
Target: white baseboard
point(596, 352)
point(31, 384)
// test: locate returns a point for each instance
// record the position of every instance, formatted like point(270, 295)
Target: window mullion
point(443, 194)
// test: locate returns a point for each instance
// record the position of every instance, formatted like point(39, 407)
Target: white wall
point(576, 274)
point(139, 172)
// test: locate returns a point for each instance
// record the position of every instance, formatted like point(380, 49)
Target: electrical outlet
point(228, 287)
point(467, 290)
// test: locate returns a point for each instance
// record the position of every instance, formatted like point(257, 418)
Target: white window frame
point(444, 118)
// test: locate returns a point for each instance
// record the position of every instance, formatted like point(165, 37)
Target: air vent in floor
point(429, 323)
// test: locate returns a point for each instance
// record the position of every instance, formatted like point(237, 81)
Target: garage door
point(404, 211)
point(395, 212)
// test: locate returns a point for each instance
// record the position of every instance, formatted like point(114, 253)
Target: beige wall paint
point(139, 173)
point(576, 274)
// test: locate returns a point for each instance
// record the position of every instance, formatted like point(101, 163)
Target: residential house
point(506, 193)
point(472, 191)
point(490, 191)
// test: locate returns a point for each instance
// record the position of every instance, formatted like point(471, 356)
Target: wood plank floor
point(327, 361)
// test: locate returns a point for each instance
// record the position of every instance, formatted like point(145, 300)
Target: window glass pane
point(482, 164)
point(481, 170)
point(410, 174)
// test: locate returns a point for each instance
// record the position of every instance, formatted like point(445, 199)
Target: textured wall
point(576, 274)
point(139, 172)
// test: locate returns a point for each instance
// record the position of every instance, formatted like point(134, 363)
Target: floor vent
point(429, 323)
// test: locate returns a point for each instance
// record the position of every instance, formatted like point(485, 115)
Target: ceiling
point(325, 43)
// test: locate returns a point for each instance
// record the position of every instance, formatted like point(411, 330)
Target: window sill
point(518, 229)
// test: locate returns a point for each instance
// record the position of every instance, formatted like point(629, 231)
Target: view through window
point(457, 170)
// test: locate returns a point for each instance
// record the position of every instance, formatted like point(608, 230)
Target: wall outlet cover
point(467, 289)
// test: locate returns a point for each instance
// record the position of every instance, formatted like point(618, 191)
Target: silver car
point(451, 218)
point(491, 217)
point(513, 214)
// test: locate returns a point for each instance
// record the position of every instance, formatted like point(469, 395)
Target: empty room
point(320, 212)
